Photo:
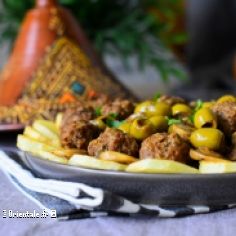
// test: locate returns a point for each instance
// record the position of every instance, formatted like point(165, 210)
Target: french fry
point(46, 124)
point(208, 167)
point(94, 163)
point(29, 145)
point(59, 120)
point(30, 132)
point(52, 157)
point(67, 152)
point(47, 129)
point(117, 157)
point(155, 166)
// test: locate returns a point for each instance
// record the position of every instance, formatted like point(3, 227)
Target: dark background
point(211, 25)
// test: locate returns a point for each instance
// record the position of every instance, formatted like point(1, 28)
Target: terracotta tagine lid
point(41, 27)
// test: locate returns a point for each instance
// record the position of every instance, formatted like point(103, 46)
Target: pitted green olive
point(125, 127)
point(150, 108)
point(180, 109)
point(227, 98)
point(134, 116)
point(207, 137)
point(141, 128)
point(205, 118)
point(160, 123)
point(162, 109)
point(144, 107)
point(184, 131)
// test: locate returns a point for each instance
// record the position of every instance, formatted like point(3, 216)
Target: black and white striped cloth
point(76, 201)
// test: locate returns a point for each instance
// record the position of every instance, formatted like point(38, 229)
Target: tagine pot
point(40, 28)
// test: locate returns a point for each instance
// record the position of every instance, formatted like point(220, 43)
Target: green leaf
point(156, 96)
point(179, 38)
point(199, 105)
point(178, 73)
point(191, 118)
point(172, 121)
point(114, 123)
point(98, 111)
point(113, 115)
point(117, 26)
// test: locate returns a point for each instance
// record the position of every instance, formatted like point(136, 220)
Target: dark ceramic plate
point(11, 127)
point(214, 189)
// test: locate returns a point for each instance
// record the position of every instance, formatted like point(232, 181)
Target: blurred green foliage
point(120, 27)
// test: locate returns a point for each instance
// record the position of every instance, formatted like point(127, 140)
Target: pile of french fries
point(42, 140)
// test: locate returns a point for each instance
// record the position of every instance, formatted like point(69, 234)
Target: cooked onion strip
point(117, 157)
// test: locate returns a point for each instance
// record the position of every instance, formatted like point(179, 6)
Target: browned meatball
point(171, 100)
point(123, 108)
point(165, 146)
point(76, 114)
point(78, 134)
point(226, 116)
point(99, 101)
point(114, 140)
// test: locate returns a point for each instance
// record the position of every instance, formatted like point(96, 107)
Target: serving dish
point(166, 189)
point(11, 127)
point(162, 151)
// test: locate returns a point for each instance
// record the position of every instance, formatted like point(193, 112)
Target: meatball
point(171, 100)
point(165, 146)
point(85, 113)
point(78, 134)
point(226, 116)
point(123, 108)
point(99, 101)
point(114, 140)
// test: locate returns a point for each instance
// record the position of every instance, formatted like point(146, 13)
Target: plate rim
point(130, 174)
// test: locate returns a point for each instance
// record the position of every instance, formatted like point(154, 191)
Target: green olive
point(144, 107)
point(180, 109)
point(134, 116)
point(99, 122)
point(162, 109)
point(207, 137)
point(160, 123)
point(150, 108)
point(141, 128)
point(227, 98)
point(125, 127)
point(204, 117)
point(184, 131)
